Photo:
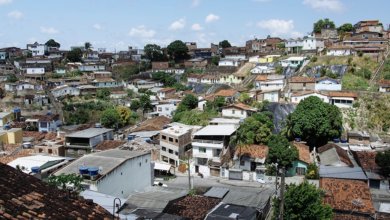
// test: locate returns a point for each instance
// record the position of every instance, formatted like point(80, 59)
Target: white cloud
point(177, 25)
point(15, 14)
point(195, 3)
point(196, 27)
point(49, 30)
point(142, 32)
point(4, 2)
point(277, 26)
point(97, 26)
point(211, 18)
point(329, 5)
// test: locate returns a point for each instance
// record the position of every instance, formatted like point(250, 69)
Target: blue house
point(327, 84)
point(106, 83)
point(304, 159)
point(48, 123)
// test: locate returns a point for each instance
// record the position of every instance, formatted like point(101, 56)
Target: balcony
point(207, 143)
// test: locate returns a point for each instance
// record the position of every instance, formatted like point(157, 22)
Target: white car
point(156, 183)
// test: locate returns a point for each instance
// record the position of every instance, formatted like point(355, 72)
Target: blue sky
point(117, 24)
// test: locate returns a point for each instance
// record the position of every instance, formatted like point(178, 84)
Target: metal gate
point(235, 174)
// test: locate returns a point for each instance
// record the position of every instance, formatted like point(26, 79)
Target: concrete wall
point(339, 52)
point(234, 113)
point(133, 175)
point(327, 85)
point(298, 99)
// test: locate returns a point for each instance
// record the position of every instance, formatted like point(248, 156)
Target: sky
point(117, 24)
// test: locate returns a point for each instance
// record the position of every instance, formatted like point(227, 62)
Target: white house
point(270, 82)
point(113, 172)
point(294, 46)
point(229, 62)
point(174, 141)
point(339, 51)
point(37, 49)
point(293, 61)
point(267, 95)
point(64, 90)
point(311, 43)
point(342, 99)
point(297, 97)
point(384, 86)
point(35, 70)
point(239, 110)
point(166, 109)
point(208, 145)
point(327, 84)
point(262, 69)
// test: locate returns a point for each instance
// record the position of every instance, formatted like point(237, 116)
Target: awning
point(162, 166)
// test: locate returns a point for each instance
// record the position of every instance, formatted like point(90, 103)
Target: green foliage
point(135, 105)
point(80, 113)
point(224, 44)
point(215, 60)
point(312, 172)
point(255, 129)
point(154, 52)
point(281, 45)
point(80, 116)
point(303, 202)
point(177, 50)
point(145, 103)
point(216, 104)
point(52, 43)
point(194, 117)
point(353, 82)
point(167, 79)
point(323, 23)
point(125, 115)
point(189, 102)
point(110, 118)
point(364, 73)
point(245, 98)
point(75, 55)
point(347, 27)
point(280, 151)
point(315, 121)
point(87, 45)
point(125, 71)
point(12, 78)
point(103, 94)
point(130, 93)
point(64, 181)
point(74, 73)
point(279, 70)
point(383, 160)
point(313, 59)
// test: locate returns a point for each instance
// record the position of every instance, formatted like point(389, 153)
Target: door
point(214, 172)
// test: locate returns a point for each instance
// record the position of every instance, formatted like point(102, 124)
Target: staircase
point(245, 83)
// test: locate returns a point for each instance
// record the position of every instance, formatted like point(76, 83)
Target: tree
point(303, 202)
point(194, 117)
point(256, 129)
point(75, 55)
point(167, 79)
point(135, 105)
point(110, 118)
point(64, 181)
point(245, 98)
point(154, 52)
point(347, 27)
point(315, 121)
point(87, 45)
point(52, 43)
point(312, 172)
point(145, 103)
point(177, 50)
point(215, 60)
point(281, 152)
point(103, 94)
point(383, 160)
point(12, 78)
point(224, 44)
point(124, 115)
point(216, 104)
point(189, 102)
point(321, 24)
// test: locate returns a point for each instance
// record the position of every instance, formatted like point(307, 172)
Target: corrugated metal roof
point(353, 173)
point(217, 192)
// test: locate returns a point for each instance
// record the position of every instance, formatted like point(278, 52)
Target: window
point(159, 109)
point(170, 139)
point(164, 137)
point(176, 153)
point(41, 150)
point(176, 141)
point(163, 148)
point(242, 112)
point(49, 151)
point(242, 163)
point(233, 111)
point(300, 171)
point(170, 151)
point(202, 150)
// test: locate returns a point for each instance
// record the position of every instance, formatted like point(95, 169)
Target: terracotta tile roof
point(22, 153)
point(104, 80)
point(366, 159)
point(347, 195)
point(109, 144)
point(192, 207)
point(302, 79)
point(241, 106)
point(343, 155)
point(226, 92)
point(302, 93)
point(195, 76)
point(343, 94)
point(261, 78)
point(26, 197)
point(46, 117)
point(304, 152)
point(38, 136)
point(252, 151)
point(167, 90)
point(153, 124)
point(384, 82)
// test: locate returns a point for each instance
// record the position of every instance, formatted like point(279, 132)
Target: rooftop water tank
point(336, 140)
point(298, 139)
point(344, 141)
point(93, 171)
point(35, 169)
point(83, 170)
point(130, 137)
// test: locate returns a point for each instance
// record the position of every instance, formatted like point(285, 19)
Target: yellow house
point(231, 79)
point(11, 136)
point(268, 58)
point(6, 117)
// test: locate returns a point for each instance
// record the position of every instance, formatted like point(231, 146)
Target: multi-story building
point(37, 49)
point(174, 142)
point(208, 145)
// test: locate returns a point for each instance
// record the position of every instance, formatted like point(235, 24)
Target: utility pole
point(189, 173)
point(282, 195)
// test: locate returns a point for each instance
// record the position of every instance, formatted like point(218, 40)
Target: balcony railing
point(207, 141)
